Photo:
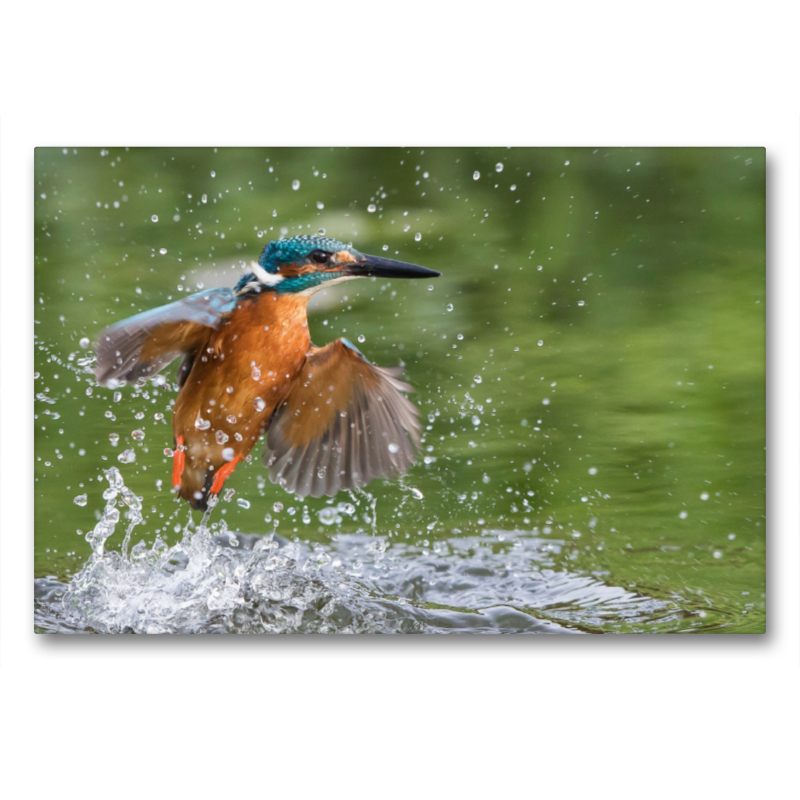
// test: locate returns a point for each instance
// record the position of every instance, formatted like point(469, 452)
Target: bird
point(333, 420)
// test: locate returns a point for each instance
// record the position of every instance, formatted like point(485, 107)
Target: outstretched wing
point(343, 423)
point(143, 345)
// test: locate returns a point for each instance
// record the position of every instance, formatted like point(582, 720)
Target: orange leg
point(178, 462)
point(223, 473)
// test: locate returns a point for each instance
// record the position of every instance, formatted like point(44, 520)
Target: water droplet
point(81, 500)
point(202, 424)
point(417, 237)
point(460, 337)
point(361, 338)
point(277, 507)
point(221, 437)
point(476, 175)
point(718, 554)
point(394, 448)
point(546, 401)
point(329, 515)
point(231, 418)
point(255, 372)
point(372, 208)
point(117, 396)
point(449, 306)
point(158, 415)
point(417, 493)
point(127, 456)
point(204, 198)
point(154, 218)
point(259, 404)
point(477, 379)
point(137, 435)
point(113, 438)
point(213, 174)
point(295, 185)
point(593, 470)
point(683, 514)
point(486, 478)
point(163, 251)
point(704, 496)
point(320, 205)
point(581, 302)
point(84, 343)
point(242, 503)
point(430, 287)
point(540, 342)
point(498, 167)
point(476, 420)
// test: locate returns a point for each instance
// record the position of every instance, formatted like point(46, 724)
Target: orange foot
point(178, 462)
point(223, 473)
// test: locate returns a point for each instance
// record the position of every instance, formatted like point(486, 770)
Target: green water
point(590, 365)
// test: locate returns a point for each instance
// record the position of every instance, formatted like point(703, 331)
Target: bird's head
point(304, 264)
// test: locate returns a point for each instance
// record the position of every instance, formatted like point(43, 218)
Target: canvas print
point(399, 390)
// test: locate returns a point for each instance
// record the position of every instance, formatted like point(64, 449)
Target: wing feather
point(344, 423)
point(144, 344)
point(336, 467)
point(322, 464)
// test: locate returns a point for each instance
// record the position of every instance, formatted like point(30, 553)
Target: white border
point(442, 716)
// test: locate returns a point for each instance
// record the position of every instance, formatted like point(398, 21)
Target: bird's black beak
point(369, 266)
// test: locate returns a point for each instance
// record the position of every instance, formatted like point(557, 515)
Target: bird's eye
point(320, 256)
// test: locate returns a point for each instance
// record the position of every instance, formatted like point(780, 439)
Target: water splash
point(217, 581)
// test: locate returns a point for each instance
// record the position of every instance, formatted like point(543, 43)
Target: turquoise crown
point(298, 248)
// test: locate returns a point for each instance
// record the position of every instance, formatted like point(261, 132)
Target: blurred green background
point(590, 366)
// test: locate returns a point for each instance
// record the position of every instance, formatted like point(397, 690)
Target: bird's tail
point(191, 479)
point(196, 479)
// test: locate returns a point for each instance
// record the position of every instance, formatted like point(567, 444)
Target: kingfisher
point(333, 420)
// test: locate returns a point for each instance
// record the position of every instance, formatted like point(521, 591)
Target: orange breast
point(240, 376)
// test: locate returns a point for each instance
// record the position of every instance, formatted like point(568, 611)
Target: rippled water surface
point(217, 581)
point(589, 369)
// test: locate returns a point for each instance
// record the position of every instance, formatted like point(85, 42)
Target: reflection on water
point(217, 581)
